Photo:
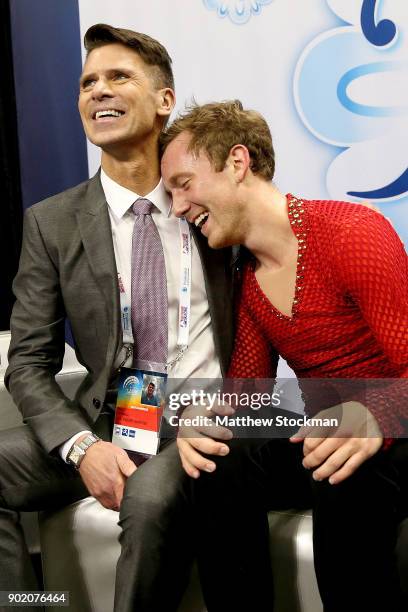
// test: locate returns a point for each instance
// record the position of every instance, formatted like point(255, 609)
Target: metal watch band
point(77, 452)
point(88, 441)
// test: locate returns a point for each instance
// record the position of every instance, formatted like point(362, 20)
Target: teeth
point(108, 113)
point(201, 219)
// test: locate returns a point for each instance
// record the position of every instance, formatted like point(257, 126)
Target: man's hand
point(104, 470)
point(203, 438)
point(337, 456)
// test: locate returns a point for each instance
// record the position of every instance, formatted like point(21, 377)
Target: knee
point(9, 461)
point(154, 495)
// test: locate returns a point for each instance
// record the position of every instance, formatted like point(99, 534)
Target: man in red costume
point(325, 285)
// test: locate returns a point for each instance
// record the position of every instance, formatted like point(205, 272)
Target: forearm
point(44, 407)
point(37, 344)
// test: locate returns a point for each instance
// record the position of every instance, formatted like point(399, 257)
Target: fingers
point(215, 431)
point(221, 409)
point(104, 470)
point(371, 446)
point(300, 435)
point(195, 440)
point(309, 444)
point(349, 467)
point(313, 433)
point(193, 462)
point(336, 452)
point(338, 458)
point(110, 496)
point(207, 445)
point(126, 465)
point(317, 455)
point(192, 427)
point(114, 499)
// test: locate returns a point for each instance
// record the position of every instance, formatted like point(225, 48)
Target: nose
point(102, 89)
point(181, 205)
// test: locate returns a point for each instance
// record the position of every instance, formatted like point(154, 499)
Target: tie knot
point(142, 206)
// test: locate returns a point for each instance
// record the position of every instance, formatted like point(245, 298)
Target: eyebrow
point(86, 77)
point(108, 72)
point(177, 177)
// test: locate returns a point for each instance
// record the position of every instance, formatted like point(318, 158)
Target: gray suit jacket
point(67, 269)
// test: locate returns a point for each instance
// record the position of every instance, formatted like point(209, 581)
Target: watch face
point(75, 454)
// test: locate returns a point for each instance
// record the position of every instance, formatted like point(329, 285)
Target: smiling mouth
point(201, 219)
point(107, 114)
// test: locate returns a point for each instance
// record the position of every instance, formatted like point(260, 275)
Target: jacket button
point(96, 402)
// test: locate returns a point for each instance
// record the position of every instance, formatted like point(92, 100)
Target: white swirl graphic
point(238, 11)
point(350, 92)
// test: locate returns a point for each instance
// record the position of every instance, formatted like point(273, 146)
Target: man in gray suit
point(74, 245)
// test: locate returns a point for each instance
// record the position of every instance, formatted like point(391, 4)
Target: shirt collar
point(120, 199)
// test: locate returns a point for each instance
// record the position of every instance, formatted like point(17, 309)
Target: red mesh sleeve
point(372, 266)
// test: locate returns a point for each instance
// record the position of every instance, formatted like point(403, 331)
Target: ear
point(166, 101)
point(240, 161)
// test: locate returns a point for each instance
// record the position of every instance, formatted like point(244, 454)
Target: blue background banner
point(47, 64)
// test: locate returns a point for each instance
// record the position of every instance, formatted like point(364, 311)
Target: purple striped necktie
point(149, 288)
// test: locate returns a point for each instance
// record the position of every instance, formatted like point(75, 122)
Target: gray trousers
point(156, 552)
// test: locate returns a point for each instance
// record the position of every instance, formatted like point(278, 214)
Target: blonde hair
point(216, 127)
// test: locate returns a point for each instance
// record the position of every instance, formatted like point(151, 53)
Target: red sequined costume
point(350, 311)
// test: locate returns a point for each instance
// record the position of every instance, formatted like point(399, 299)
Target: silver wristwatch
point(77, 451)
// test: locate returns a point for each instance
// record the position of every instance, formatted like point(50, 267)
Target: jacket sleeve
point(37, 344)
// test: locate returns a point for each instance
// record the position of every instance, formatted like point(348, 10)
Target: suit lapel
point(95, 230)
point(217, 268)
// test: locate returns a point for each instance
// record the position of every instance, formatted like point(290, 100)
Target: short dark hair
point(150, 50)
point(216, 127)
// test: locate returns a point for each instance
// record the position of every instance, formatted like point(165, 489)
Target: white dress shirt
point(200, 359)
